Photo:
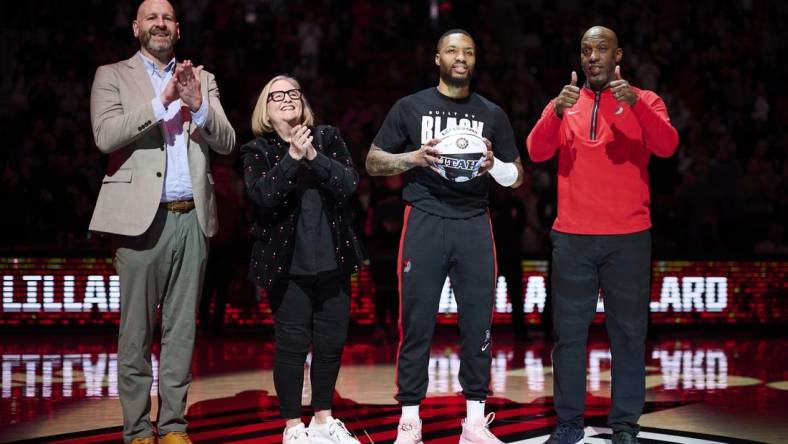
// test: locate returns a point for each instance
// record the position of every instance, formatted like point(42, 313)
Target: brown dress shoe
point(175, 438)
point(144, 440)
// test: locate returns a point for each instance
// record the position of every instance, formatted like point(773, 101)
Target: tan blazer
point(124, 127)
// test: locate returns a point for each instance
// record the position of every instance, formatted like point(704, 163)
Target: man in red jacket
point(604, 133)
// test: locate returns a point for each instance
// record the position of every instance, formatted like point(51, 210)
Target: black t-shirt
point(420, 117)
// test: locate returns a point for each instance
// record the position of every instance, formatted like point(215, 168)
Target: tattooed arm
point(382, 163)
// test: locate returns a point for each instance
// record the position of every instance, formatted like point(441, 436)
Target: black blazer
point(277, 206)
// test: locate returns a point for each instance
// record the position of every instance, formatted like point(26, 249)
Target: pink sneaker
point(479, 432)
point(409, 433)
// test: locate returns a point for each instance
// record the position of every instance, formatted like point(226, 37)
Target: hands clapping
point(301, 143)
point(184, 85)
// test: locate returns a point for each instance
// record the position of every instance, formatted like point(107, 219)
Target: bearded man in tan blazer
point(158, 119)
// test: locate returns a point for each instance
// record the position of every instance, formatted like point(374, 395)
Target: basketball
point(462, 151)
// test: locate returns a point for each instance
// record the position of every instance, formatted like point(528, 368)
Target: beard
point(146, 40)
point(456, 82)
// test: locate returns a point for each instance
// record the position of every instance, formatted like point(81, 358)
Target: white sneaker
point(478, 432)
point(332, 432)
point(409, 432)
point(296, 435)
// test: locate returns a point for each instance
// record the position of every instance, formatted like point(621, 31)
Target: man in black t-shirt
point(446, 230)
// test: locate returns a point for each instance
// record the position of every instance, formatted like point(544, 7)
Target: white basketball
point(462, 151)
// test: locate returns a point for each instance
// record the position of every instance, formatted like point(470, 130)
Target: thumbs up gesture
point(567, 98)
point(621, 90)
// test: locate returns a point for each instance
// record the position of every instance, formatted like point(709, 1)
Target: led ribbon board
point(75, 291)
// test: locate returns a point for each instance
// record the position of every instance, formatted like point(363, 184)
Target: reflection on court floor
point(48, 382)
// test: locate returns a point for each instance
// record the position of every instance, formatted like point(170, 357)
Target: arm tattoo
point(381, 163)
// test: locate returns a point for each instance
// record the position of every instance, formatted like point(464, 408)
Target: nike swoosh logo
point(573, 112)
point(620, 110)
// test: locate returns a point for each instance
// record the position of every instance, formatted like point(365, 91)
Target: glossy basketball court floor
point(712, 386)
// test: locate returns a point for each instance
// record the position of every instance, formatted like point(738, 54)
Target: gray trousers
point(162, 267)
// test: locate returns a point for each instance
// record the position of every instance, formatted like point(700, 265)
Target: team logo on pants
point(406, 266)
point(486, 342)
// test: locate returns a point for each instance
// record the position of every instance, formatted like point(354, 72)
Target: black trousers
point(309, 311)
point(432, 247)
point(621, 266)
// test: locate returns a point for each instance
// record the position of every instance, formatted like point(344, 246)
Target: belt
point(179, 206)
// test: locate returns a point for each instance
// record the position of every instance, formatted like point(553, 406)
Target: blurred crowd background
point(719, 66)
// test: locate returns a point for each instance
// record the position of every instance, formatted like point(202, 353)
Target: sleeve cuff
point(289, 166)
point(201, 115)
point(641, 110)
point(637, 106)
point(159, 111)
point(321, 165)
point(553, 121)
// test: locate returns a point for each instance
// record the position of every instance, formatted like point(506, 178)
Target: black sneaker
point(624, 437)
point(566, 434)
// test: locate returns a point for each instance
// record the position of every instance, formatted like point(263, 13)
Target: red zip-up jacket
point(603, 151)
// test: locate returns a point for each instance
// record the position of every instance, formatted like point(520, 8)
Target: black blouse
point(273, 184)
point(314, 244)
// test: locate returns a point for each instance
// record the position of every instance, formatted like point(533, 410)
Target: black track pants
point(621, 266)
point(431, 248)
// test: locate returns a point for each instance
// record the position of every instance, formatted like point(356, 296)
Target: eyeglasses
point(278, 96)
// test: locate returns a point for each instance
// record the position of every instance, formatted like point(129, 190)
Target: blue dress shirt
point(177, 181)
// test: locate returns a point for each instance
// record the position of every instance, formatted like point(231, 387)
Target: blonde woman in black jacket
point(299, 176)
